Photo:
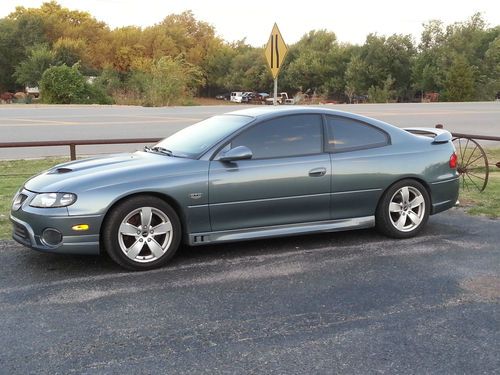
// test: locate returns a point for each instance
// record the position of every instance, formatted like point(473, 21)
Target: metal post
point(72, 151)
point(275, 100)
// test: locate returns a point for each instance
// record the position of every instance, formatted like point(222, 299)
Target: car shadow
point(88, 265)
point(341, 243)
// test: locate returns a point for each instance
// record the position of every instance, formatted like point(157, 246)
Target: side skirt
point(281, 230)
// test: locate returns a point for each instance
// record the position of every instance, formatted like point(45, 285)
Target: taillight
point(453, 161)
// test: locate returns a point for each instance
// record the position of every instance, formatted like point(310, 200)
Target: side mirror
point(237, 153)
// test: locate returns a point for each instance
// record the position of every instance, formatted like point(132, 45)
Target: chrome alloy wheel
point(407, 208)
point(145, 234)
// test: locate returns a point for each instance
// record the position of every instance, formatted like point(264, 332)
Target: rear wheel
point(142, 233)
point(403, 210)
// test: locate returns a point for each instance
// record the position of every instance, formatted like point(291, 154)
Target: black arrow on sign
point(275, 51)
point(272, 52)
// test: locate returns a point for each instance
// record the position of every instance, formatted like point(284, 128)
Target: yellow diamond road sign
point(275, 51)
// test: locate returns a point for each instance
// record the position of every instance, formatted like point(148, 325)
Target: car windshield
point(192, 141)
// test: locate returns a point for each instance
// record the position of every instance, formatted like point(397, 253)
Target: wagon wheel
point(472, 164)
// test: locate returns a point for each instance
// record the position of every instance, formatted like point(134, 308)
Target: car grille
point(21, 233)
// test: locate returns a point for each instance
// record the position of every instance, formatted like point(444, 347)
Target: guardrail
point(79, 142)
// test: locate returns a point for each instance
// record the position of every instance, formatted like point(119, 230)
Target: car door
point(287, 180)
point(358, 155)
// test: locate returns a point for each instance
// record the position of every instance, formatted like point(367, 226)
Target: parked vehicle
point(224, 96)
point(255, 173)
point(359, 99)
point(281, 99)
point(32, 91)
point(248, 96)
point(236, 96)
point(259, 98)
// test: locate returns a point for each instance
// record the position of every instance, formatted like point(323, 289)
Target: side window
point(285, 136)
point(345, 134)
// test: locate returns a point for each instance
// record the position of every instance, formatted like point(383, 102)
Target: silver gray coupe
point(249, 174)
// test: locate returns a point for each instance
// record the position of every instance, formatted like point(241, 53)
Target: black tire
point(114, 240)
point(409, 221)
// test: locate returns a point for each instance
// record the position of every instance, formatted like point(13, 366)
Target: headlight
point(18, 201)
point(49, 200)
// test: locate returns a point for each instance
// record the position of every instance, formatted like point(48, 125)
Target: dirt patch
point(483, 287)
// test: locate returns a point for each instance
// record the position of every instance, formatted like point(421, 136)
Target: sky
point(351, 20)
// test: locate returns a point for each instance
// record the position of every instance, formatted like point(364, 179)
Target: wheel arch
point(166, 198)
point(415, 178)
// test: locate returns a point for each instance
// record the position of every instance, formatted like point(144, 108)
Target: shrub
point(66, 85)
point(171, 81)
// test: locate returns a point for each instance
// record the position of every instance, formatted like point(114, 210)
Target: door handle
point(317, 172)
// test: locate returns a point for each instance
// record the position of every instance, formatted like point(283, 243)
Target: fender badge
point(195, 195)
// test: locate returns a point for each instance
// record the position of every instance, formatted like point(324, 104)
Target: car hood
point(98, 172)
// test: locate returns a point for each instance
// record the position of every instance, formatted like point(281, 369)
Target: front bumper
point(29, 223)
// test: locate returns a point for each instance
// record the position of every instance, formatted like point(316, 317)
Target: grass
point(486, 203)
point(14, 173)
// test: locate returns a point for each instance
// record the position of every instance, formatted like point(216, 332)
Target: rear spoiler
point(439, 135)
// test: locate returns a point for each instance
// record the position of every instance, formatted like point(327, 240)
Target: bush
point(382, 95)
point(66, 85)
point(170, 81)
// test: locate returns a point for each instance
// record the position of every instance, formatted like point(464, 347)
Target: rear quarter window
point(345, 134)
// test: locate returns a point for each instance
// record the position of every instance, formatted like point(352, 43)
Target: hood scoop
point(61, 171)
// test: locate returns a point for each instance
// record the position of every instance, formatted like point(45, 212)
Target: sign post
point(275, 52)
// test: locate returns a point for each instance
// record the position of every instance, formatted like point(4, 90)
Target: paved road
point(353, 303)
point(39, 123)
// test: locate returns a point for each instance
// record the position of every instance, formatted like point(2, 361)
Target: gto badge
point(195, 195)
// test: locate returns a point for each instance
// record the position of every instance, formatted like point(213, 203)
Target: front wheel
point(141, 233)
point(403, 210)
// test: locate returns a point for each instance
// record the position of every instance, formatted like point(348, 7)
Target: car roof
point(268, 112)
point(263, 112)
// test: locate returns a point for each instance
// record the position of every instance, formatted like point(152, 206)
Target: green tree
point(355, 77)
point(491, 72)
point(29, 72)
point(51, 22)
point(338, 60)
point(217, 67)
point(69, 51)
point(7, 55)
point(391, 56)
point(382, 94)
point(457, 50)
point(248, 69)
point(459, 81)
point(426, 74)
point(311, 64)
point(17, 36)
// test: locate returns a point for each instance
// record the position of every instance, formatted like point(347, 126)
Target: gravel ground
point(351, 303)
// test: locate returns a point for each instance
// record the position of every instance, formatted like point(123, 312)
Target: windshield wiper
point(158, 149)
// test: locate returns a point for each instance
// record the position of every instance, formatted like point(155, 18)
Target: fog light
point(80, 227)
point(51, 237)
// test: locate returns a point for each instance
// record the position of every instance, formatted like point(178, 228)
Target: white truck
point(281, 99)
point(33, 91)
point(236, 97)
